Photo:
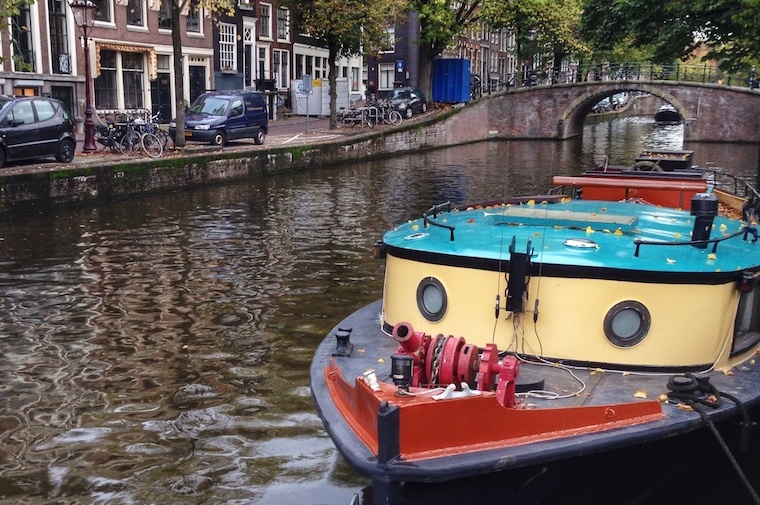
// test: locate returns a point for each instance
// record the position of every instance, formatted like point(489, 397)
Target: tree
point(674, 30)
point(177, 7)
point(347, 28)
point(441, 21)
point(549, 27)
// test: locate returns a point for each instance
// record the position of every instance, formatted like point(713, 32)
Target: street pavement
point(293, 130)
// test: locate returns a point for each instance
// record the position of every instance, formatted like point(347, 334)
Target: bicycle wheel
point(395, 117)
point(167, 142)
point(130, 143)
point(151, 145)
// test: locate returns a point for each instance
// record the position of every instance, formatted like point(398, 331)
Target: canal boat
point(603, 329)
point(667, 115)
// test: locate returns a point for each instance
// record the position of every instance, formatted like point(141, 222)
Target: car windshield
point(401, 93)
point(210, 106)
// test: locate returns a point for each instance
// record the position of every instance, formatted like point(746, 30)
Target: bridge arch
point(574, 115)
point(711, 112)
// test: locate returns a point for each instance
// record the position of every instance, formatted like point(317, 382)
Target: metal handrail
point(434, 210)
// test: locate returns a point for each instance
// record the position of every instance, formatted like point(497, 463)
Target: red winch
point(440, 361)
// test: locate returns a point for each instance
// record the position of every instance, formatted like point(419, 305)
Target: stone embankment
point(103, 176)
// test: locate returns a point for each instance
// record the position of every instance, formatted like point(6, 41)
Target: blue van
point(219, 116)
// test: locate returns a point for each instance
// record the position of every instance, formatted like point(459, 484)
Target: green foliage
point(728, 29)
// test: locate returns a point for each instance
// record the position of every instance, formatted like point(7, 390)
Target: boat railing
point(434, 211)
point(746, 230)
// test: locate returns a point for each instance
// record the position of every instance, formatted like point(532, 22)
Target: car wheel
point(409, 113)
point(220, 138)
point(258, 139)
point(424, 107)
point(65, 151)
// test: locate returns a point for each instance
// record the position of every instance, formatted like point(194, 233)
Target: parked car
point(602, 106)
point(35, 127)
point(408, 101)
point(220, 116)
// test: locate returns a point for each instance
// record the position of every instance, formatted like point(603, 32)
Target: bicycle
point(138, 138)
point(154, 127)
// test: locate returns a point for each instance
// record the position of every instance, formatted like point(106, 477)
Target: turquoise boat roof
point(580, 233)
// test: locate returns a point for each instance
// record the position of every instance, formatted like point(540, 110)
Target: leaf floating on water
point(640, 394)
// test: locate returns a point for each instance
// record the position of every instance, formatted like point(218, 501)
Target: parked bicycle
point(139, 138)
point(385, 112)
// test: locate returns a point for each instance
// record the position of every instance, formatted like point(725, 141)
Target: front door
point(161, 97)
point(197, 82)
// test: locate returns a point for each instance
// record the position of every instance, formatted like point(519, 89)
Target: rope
point(698, 392)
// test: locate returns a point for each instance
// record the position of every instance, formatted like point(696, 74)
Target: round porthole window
point(627, 323)
point(431, 299)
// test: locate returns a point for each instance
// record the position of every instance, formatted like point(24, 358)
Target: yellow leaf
point(589, 230)
point(683, 406)
point(712, 256)
point(728, 371)
point(381, 360)
point(531, 202)
point(663, 397)
point(415, 227)
point(640, 394)
point(618, 232)
point(677, 235)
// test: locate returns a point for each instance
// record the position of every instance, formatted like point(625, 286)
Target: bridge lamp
point(84, 11)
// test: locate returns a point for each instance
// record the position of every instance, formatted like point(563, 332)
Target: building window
point(354, 78)
point(283, 26)
point(265, 18)
point(227, 42)
point(133, 73)
point(103, 12)
point(105, 83)
point(391, 40)
point(193, 18)
point(263, 63)
point(60, 58)
point(165, 15)
point(280, 66)
point(135, 13)
point(386, 71)
point(22, 40)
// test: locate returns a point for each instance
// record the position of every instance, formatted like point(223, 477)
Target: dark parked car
point(219, 116)
point(35, 127)
point(408, 101)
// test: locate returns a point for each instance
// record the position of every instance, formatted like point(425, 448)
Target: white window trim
point(223, 63)
point(261, 36)
point(287, 25)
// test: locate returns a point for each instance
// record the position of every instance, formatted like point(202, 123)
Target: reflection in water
point(157, 350)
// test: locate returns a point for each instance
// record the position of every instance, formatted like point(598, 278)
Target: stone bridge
point(711, 112)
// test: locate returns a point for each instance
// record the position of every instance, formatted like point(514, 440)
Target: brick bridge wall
point(711, 112)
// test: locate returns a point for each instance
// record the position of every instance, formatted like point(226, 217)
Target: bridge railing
point(701, 73)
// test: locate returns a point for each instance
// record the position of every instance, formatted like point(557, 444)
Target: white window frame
point(385, 71)
point(392, 35)
point(281, 79)
point(227, 47)
point(265, 19)
point(286, 28)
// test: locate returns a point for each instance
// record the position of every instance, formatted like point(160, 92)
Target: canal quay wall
point(105, 176)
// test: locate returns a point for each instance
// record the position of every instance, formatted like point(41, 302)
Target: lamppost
point(83, 12)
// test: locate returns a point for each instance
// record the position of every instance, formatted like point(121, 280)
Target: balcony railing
point(61, 63)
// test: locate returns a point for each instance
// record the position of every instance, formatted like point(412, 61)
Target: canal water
point(156, 350)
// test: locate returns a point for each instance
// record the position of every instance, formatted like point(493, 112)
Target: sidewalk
point(294, 130)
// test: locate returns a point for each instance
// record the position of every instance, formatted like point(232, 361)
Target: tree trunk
point(332, 77)
point(426, 73)
point(179, 77)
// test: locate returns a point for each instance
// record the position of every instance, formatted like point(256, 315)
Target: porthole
point(431, 299)
point(627, 323)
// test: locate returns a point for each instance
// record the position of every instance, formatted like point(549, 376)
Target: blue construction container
point(451, 80)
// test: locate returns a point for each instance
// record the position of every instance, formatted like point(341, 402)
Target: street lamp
point(83, 13)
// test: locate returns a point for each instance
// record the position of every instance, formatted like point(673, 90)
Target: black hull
point(588, 468)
